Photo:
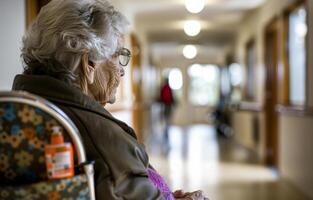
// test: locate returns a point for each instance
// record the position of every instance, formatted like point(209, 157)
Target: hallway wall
point(296, 147)
point(295, 132)
point(252, 28)
point(243, 132)
point(244, 124)
point(13, 24)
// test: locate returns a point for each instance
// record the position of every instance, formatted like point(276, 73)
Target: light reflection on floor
point(196, 160)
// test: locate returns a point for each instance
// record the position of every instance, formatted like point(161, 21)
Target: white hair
point(64, 30)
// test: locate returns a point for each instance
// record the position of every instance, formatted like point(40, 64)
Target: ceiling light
point(190, 51)
point(192, 27)
point(194, 6)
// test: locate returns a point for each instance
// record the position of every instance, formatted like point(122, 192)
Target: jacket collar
point(60, 92)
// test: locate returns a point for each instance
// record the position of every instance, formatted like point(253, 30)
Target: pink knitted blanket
point(160, 183)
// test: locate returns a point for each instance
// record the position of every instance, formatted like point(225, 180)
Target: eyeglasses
point(124, 56)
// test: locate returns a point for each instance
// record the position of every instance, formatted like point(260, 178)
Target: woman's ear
point(88, 68)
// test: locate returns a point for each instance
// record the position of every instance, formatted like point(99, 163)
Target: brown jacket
point(120, 161)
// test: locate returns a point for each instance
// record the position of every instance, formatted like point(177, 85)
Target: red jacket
point(166, 95)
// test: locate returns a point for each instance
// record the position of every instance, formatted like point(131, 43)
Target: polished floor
point(194, 158)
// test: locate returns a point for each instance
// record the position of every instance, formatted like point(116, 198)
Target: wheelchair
point(25, 129)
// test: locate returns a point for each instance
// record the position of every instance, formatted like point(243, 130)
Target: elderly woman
point(74, 56)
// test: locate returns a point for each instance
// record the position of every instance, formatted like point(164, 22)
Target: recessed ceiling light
point(190, 51)
point(194, 6)
point(192, 27)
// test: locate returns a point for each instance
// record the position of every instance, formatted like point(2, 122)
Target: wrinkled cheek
point(115, 75)
point(108, 78)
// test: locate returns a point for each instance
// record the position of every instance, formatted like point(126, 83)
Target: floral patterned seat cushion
point(64, 189)
point(24, 132)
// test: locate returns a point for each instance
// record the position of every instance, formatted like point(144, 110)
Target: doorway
point(271, 92)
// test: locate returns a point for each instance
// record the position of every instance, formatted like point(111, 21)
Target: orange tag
point(59, 160)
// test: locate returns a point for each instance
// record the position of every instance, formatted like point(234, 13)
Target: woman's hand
point(178, 194)
point(181, 195)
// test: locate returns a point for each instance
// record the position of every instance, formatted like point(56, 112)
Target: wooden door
point(32, 9)
point(137, 110)
point(271, 93)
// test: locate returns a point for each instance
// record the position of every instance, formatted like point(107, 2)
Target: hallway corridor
point(243, 65)
point(224, 170)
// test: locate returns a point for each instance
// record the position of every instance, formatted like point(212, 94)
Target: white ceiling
point(162, 22)
point(142, 6)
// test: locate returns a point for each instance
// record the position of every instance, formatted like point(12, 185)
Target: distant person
point(167, 104)
point(74, 56)
point(222, 119)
